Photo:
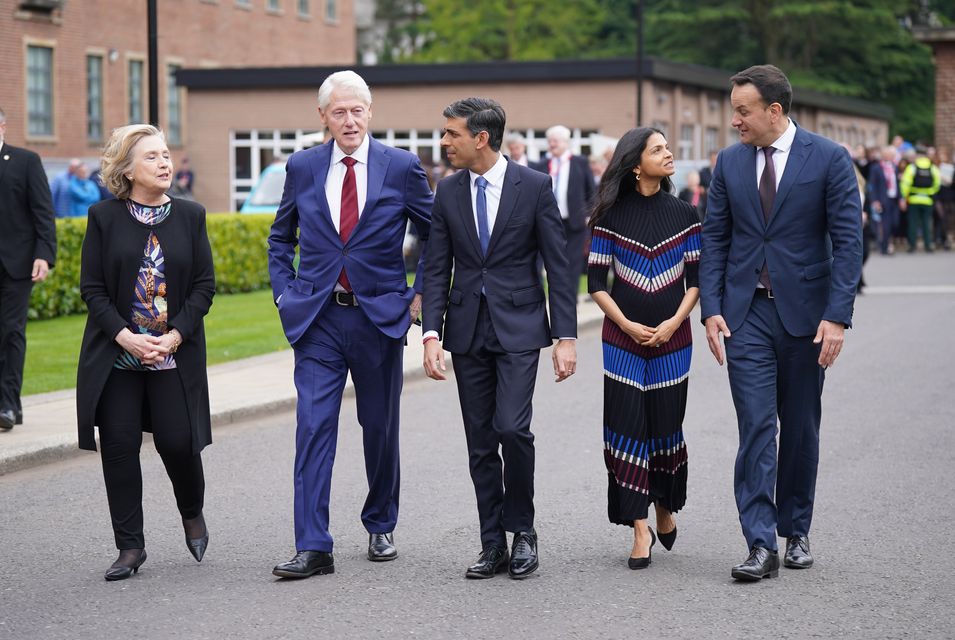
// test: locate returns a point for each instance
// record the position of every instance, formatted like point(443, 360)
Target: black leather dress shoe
point(8, 418)
point(643, 563)
point(797, 553)
point(306, 564)
point(19, 419)
point(761, 563)
point(128, 563)
point(493, 560)
point(523, 555)
point(381, 547)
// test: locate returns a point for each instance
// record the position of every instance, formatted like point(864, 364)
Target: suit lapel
point(463, 189)
point(747, 176)
point(509, 192)
point(5, 159)
point(378, 161)
point(798, 154)
point(319, 164)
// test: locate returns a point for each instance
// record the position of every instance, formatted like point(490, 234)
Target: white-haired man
point(574, 189)
point(346, 310)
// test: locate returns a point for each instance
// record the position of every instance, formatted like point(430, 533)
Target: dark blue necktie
point(483, 232)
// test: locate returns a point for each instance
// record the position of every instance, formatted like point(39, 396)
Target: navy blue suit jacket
point(812, 243)
point(398, 191)
point(877, 188)
point(527, 222)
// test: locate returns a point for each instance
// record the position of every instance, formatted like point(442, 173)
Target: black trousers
point(496, 389)
point(127, 398)
point(14, 303)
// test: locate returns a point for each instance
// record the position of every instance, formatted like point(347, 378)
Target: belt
point(345, 299)
point(765, 293)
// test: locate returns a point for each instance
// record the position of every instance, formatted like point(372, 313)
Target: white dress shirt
point(783, 145)
point(495, 184)
point(336, 178)
point(559, 169)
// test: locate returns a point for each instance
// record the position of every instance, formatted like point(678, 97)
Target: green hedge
point(239, 244)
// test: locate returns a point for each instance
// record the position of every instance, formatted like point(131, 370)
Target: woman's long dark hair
point(618, 179)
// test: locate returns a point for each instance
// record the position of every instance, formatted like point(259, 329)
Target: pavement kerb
point(61, 445)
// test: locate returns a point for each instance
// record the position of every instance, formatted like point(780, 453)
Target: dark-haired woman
point(651, 240)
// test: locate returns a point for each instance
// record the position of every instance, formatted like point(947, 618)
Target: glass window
point(135, 92)
point(173, 106)
point(272, 5)
point(303, 8)
point(686, 141)
point(331, 10)
point(244, 3)
point(94, 98)
point(712, 141)
point(39, 91)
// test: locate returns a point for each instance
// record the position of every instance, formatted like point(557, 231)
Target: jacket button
point(344, 252)
point(484, 271)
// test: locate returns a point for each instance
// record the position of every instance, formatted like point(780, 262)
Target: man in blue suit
point(782, 256)
point(883, 191)
point(346, 205)
point(484, 299)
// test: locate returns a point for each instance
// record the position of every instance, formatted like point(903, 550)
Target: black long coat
point(27, 229)
point(112, 252)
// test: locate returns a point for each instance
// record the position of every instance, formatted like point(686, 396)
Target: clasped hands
point(652, 336)
point(150, 350)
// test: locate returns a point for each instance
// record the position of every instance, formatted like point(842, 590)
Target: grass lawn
point(238, 326)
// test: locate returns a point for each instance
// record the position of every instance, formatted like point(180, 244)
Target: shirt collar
point(360, 154)
point(494, 175)
point(785, 142)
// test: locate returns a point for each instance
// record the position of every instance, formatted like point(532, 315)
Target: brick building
point(243, 119)
point(942, 41)
point(74, 70)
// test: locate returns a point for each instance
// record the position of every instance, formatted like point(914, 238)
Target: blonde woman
point(147, 279)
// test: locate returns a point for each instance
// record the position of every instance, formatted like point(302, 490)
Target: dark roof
point(504, 72)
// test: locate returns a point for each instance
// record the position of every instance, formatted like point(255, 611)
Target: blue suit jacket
point(528, 222)
point(877, 188)
point(812, 243)
point(398, 191)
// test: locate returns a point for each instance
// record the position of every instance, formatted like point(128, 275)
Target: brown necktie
point(767, 196)
point(349, 212)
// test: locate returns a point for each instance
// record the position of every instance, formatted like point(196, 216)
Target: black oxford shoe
point(523, 555)
point(761, 563)
point(8, 418)
point(797, 553)
point(128, 563)
point(306, 564)
point(493, 560)
point(381, 547)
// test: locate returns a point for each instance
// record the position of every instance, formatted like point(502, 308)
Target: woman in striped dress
point(651, 239)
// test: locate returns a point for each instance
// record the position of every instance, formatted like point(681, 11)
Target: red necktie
point(349, 212)
point(767, 198)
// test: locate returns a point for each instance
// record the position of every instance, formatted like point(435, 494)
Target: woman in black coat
point(147, 279)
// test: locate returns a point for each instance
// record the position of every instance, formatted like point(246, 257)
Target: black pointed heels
point(643, 563)
point(667, 539)
point(126, 564)
point(197, 546)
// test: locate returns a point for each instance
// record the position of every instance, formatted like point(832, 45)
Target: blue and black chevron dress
point(652, 245)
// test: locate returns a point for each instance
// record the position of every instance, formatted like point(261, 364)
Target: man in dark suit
point(574, 187)
point(883, 191)
point(27, 252)
point(484, 299)
point(781, 258)
point(346, 310)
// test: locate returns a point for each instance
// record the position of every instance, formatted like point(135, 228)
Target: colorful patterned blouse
point(149, 310)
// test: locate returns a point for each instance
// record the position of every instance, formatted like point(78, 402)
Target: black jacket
point(112, 252)
point(27, 227)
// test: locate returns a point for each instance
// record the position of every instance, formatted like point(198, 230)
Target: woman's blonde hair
point(117, 157)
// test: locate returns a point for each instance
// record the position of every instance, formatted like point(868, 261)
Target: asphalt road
point(885, 513)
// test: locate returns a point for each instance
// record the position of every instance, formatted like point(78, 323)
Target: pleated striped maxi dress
point(653, 246)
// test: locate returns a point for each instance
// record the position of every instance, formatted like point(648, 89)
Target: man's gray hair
point(514, 136)
point(346, 80)
point(3, 116)
point(558, 131)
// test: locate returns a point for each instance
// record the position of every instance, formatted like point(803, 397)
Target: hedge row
point(239, 244)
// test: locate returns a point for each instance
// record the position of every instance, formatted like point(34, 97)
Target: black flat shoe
point(761, 563)
point(125, 567)
point(667, 539)
point(797, 555)
point(643, 563)
point(381, 547)
point(305, 564)
point(493, 560)
point(197, 546)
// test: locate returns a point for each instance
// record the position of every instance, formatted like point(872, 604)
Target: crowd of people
point(773, 264)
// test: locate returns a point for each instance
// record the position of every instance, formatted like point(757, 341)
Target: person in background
point(27, 253)
point(945, 200)
point(882, 192)
point(83, 192)
point(694, 194)
point(706, 173)
point(60, 190)
point(919, 183)
point(185, 176)
point(148, 281)
point(598, 165)
point(516, 148)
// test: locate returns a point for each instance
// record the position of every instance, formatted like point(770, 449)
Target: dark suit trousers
point(14, 304)
point(126, 398)
point(344, 340)
point(773, 373)
point(496, 389)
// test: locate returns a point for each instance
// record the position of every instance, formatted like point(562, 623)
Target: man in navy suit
point(484, 299)
point(883, 192)
point(346, 205)
point(782, 256)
